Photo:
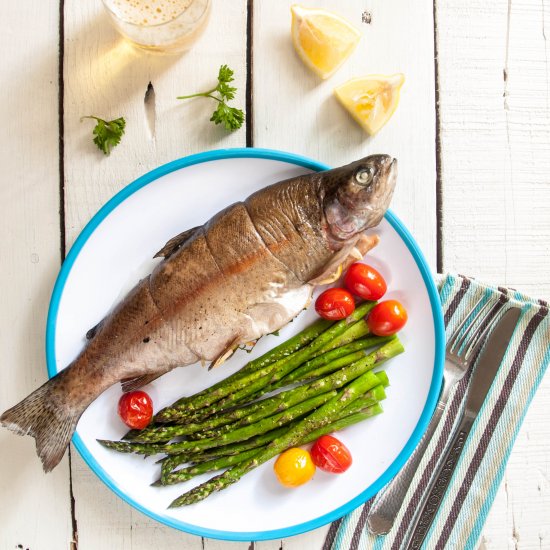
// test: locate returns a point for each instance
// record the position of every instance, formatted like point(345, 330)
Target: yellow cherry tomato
point(294, 467)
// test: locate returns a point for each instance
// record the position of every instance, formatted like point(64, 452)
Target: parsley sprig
point(107, 132)
point(231, 117)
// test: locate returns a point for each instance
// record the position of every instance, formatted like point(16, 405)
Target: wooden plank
point(495, 142)
point(296, 111)
point(104, 77)
point(308, 541)
point(34, 508)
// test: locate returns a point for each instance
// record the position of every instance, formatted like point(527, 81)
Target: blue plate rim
point(433, 393)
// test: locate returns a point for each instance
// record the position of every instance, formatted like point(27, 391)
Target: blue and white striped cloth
point(479, 472)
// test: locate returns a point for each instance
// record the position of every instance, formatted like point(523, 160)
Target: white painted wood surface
point(298, 111)
point(494, 89)
point(495, 152)
point(105, 77)
point(35, 509)
point(294, 110)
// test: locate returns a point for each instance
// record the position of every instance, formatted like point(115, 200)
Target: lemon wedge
point(322, 39)
point(371, 100)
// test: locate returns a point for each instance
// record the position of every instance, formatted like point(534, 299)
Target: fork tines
point(473, 330)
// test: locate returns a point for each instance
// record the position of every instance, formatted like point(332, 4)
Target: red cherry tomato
point(331, 455)
point(386, 318)
point(136, 409)
point(335, 304)
point(364, 281)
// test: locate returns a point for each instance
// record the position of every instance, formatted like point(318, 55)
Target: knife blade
point(490, 359)
point(480, 384)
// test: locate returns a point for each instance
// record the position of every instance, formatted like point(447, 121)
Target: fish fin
point(249, 346)
point(131, 384)
point(225, 354)
point(327, 278)
point(39, 415)
point(344, 258)
point(333, 269)
point(364, 244)
point(175, 243)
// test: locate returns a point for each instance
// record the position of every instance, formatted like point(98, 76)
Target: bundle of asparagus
point(230, 425)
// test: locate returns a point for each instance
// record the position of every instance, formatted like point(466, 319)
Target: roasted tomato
point(364, 281)
point(136, 409)
point(294, 467)
point(386, 318)
point(331, 455)
point(334, 304)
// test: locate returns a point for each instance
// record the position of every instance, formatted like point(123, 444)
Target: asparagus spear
point(354, 332)
point(383, 378)
point(326, 358)
point(244, 432)
point(320, 365)
point(247, 414)
point(289, 347)
point(215, 426)
point(282, 401)
point(171, 478)
point(316, 366)
point(321, 417)
point(285, 349)
point(249, 392)
point(222, 423)
point(172, 461)
point(241, 434)
point(224, 462)
point(128, 447)
point(278, 369)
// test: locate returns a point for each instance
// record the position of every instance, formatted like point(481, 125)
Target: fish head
point(358, 195)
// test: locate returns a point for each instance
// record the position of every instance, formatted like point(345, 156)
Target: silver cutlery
point(461, 349)
point(482, 379)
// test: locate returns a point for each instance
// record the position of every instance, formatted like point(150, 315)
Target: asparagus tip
point(177, 503)
point(109, 444)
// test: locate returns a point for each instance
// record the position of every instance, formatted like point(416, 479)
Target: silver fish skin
point(245, 273)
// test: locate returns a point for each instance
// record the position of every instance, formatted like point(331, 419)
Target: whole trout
point(243, 274)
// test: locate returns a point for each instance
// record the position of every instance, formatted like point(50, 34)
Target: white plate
point(115, 250)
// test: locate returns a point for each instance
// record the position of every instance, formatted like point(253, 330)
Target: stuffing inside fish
point(245, 273)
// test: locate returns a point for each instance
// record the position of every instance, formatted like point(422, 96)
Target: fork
point(460, 352)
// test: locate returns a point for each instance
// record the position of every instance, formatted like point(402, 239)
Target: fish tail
point(43, 416)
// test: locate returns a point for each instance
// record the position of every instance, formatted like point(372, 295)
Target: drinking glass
point(163, 26)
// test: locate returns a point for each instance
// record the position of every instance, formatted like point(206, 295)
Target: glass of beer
point(163, 26)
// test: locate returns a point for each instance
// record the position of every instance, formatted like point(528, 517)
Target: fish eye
point(365, 176)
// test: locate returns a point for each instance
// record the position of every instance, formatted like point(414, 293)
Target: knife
point(482, 379)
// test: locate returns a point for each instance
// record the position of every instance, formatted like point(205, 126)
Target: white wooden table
point(472, 135)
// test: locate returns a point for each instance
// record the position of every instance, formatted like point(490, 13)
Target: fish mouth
point(389, 165)
point(392, 173)
point(388, 172)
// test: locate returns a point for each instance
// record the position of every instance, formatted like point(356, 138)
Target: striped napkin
point(480, 469)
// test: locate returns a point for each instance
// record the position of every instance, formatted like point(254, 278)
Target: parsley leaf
point(231, 117)
point(225, 74)
point(107, 133)
point(226, 92)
